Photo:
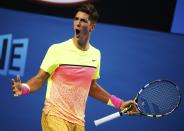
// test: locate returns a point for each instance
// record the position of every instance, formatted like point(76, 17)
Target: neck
point(81, 44)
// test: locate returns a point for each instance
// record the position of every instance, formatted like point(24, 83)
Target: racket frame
point(147, 86)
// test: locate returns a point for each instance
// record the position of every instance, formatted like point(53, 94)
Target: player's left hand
point(133, 109)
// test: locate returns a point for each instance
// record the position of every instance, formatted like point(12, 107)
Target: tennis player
point(71, 69)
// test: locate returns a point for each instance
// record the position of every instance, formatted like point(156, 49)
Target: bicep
point(92, 88)
point(42, 74)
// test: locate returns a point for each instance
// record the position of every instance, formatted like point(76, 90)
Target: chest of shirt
point(75, 58)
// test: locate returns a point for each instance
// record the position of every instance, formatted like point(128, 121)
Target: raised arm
point(31, 85)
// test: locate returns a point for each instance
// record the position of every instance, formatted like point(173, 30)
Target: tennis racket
point(156, 99)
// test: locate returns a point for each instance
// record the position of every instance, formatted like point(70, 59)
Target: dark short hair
point(90, 10)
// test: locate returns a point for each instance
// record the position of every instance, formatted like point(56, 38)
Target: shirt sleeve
point(97, 73)
point(49, 61)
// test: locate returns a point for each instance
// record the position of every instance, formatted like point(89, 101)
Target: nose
point(78, 23)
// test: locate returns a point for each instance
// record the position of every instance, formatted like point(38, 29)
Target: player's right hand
point(16, 86)
point(133, 108)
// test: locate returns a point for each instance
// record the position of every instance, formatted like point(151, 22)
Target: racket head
point(158, 98)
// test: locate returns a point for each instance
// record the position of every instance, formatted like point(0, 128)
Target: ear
point(93, 25)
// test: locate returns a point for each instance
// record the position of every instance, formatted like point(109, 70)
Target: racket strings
point(158, 98)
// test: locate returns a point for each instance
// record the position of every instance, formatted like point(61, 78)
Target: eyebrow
point(82, 19)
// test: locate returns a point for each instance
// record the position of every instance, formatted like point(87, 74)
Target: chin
point(76, 38)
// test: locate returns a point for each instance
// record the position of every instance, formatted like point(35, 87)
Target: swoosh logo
point(93, 60)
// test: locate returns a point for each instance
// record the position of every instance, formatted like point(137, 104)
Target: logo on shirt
point(93, 60)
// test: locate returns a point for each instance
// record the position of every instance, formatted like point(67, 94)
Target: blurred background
point(165, 15)
point(140, 41)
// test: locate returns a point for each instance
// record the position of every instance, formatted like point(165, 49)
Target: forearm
point(98, 92)
point(36, 82)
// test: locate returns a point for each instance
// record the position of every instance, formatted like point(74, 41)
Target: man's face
point(82, 25)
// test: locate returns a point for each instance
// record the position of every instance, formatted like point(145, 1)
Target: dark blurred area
point(147, 14)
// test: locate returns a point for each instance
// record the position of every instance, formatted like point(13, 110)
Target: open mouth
point(77, 31)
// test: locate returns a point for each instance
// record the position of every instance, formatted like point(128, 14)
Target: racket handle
point(111, 116)
point(107, 118)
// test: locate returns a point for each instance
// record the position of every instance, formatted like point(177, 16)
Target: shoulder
point(95, 50)
point(61, 45)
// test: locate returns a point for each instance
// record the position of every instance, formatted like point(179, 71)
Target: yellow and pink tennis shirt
point(71, 72)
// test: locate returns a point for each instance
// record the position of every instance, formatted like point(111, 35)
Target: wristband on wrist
point(115, 102)
point(25, 89)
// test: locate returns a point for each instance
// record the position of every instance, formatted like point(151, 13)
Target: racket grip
point(107, 118)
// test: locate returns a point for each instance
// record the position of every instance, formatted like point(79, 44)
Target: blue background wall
point(178, 19)
point(130, 59)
